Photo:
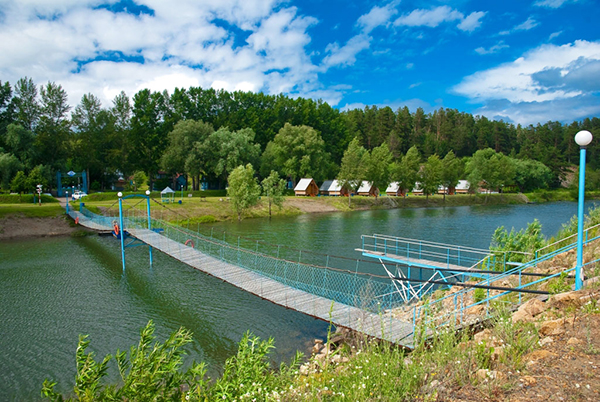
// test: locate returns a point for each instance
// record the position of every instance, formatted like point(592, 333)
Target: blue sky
point(521, 61)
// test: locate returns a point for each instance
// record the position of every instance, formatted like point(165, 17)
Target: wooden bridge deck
point(340, 314)
point(371, 324)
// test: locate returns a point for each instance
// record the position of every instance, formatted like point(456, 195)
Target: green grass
point(31, 210)
point(24, 199)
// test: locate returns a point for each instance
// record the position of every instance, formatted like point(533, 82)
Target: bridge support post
point(122, 230)
point(149, 222)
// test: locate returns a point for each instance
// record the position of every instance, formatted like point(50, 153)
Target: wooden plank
point(342, 315)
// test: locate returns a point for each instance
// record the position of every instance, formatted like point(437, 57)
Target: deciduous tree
point(273, 188)
point(297, 151)
point(431, 175)
point(243, 189)
point(406, 172)
point(451, 171)
point(352, 170)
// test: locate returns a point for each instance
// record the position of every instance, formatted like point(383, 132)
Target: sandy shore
point(16, 228)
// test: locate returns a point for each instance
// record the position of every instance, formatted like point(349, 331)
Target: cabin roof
point(167, 190)
point(303, 184)
point(365, 187)
point(335, 186)
point(462, 185)
point(326, 185)
point(392, 188)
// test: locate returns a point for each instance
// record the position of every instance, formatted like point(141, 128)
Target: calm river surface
point(53, 289)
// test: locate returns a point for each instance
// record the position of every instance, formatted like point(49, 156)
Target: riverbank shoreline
point(19, 226)
point(16, 227)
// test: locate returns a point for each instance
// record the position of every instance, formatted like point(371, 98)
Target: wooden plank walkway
point(371, 324)
point(343, 315)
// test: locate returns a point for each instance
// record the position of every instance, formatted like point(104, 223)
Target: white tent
point(167, 195)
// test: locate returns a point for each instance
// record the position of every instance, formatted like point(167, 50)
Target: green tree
point(147, 136)
point(39, 175)
point(431, 175)
point(273, 188)
point(452, 169)
point(243, 189)
point(180, 155)
point(407, 171)
point(531, 175)
point(139, 180)
point(117, 157)
point(490, 168)
point(7, 107)
point(352, 170)
point(20, 142)
point(19, 183)
point(54, 127)
point(226, 150)
point(377, 169)
point(27, 107)
point(297, 151)
point(91, 141)
point(9, 166)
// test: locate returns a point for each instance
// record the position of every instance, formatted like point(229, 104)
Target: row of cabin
point(308, 187)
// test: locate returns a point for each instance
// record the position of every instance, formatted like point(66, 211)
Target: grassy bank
point(200, 209)
point(31, 210)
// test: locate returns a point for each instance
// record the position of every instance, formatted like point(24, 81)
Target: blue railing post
point(149, 222)
point(122, 233)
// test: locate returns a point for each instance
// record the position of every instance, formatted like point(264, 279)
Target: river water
point(53, 289)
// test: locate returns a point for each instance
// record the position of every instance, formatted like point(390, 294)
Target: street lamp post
point(67, 200)
point(583, 139)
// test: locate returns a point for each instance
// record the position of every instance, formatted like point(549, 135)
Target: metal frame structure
point(134, 241)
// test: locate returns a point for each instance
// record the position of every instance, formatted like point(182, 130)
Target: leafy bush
point(524, 241)
point(479, 294)
point(153, 372)
point(149, 373)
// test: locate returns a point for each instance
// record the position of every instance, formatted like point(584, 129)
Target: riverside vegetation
point(534, 353)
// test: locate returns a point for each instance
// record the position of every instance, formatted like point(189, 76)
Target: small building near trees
point(306, 187)
point(368, 189)
point(333, 188)
point(462, 187)
point(394, 190)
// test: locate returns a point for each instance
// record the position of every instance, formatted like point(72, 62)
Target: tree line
point(206, 133)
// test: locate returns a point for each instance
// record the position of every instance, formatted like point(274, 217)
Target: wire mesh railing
point(348, 285)
point(365, 291)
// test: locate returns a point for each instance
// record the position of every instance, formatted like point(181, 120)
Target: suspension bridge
point(384, 306)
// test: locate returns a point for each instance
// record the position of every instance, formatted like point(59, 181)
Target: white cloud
point(548, 75)
point(554, 35)
point(90, 49)
point(492, 49)
point(553, 3)
point(429, 18)
point(472, 21)
point(436, 16)
point(528, 24)
point(346, 55)
point(376, 17)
